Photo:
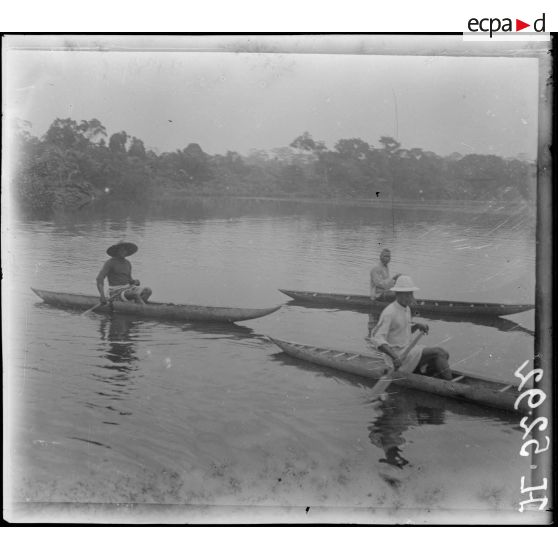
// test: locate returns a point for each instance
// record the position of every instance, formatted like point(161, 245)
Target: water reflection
point(219, 330)
point(396, 414)
point(121, 365)
point(121, 351)
point(350, 213)
point(120, 362)
point(501, 324)
point(496, 322)
point(404, 409)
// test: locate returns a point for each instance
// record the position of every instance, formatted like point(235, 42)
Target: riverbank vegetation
point(77, 164)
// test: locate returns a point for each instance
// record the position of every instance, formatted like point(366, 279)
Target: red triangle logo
point(519, 25)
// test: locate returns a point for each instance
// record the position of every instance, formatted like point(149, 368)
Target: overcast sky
point(232, 101)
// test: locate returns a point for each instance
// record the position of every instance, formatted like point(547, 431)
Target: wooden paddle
point(383, 383)
point(98, 305)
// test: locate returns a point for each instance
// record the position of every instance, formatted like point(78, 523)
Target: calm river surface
point(119, 410)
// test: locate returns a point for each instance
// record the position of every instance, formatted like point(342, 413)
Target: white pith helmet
point(404, 284)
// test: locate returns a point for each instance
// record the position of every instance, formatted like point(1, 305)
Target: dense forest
point(76, 164)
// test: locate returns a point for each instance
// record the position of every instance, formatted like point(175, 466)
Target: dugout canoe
point(463, 386)
point(156, 310)
point(422, 306)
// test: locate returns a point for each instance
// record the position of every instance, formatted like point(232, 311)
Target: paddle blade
point(378, 391)
point(92, 308)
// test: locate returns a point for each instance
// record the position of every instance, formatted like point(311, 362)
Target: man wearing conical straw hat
point(118, 272)
point(392, 335)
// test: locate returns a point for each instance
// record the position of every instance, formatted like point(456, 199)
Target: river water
point(118, 410)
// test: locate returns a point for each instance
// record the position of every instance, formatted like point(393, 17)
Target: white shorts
point(119, 292)
point(411, 361)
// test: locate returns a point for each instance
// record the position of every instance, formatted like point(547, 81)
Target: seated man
point(380, 281)
point(393, 333)
point(118, 271)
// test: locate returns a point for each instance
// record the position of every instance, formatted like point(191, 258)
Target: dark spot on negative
point(279, 480)
point(307, 509)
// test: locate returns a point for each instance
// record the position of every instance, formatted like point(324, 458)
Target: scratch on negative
point(486, 279)
point(425, 233)
point(500, 225)
point(468, 357)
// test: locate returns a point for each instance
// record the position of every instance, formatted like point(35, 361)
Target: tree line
point(75, 164)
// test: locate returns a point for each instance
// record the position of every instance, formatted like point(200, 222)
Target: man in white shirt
point(380, 281)
point(393, 333)
point(380, 285)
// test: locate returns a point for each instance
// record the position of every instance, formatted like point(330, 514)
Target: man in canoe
point(118, 271)
point(380, 283)
point(393, 333)
point(380, 280)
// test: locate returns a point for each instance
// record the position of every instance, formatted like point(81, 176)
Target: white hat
point(404, 284)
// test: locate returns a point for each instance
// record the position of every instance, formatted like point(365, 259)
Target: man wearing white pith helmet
point(392, 335)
